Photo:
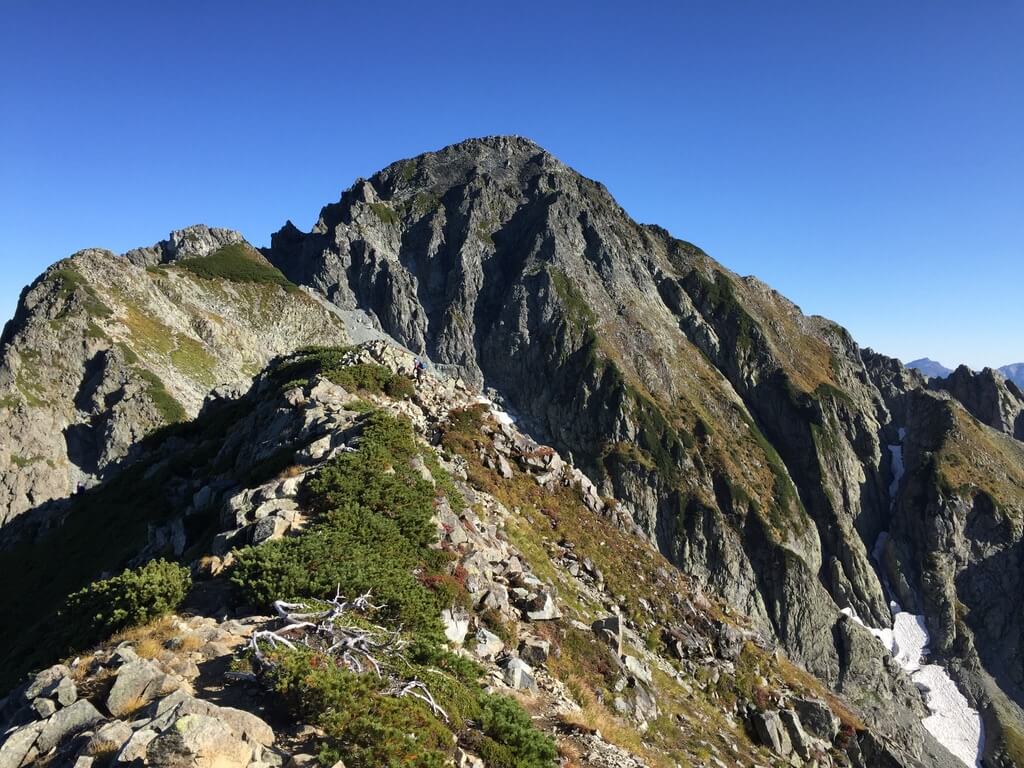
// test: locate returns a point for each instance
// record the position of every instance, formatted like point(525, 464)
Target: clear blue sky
point(864, 158)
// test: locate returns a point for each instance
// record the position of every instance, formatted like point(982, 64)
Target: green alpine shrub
point(133, 597)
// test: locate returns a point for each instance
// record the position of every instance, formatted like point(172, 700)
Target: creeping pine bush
point(510, 739)
point(236, 262)
point(366, 728)
point(131, 598)
point(362, 726)
point(373, 534)
point(355, 377)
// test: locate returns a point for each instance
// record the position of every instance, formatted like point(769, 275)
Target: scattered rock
point(110, 737)
point(135, 748)
point(519, 675)
point(771, 732)
point(46, 682)
point(488, 644)
point(801, 742)
point(43, 707)
point(638, 669)
point(464, 759)
point(534, 650)
point(543, 608)
point(456, 625)
point(19, 745)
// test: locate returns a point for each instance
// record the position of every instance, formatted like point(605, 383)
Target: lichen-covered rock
point(198, 741)
point(67, 722)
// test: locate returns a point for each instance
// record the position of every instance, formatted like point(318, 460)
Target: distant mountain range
point(1014, 373)
point(934, 369)
point(930, 368)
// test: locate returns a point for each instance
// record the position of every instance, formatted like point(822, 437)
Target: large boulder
point(66, 723)
point(244, 725)
point(137, 684)
point(108, 738)
point(771, 732)
point(519, 675)
point(198, 741)
point(817, 718)
point(19, 744)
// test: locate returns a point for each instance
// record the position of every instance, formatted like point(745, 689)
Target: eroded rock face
point(103, 351)
point(611, 340)
point(988, 396)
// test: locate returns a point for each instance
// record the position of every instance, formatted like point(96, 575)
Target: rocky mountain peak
point(194, 242)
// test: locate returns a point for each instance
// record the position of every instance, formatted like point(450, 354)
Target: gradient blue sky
point(864, 158)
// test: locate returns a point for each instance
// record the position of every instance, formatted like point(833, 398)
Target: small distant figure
point(418, 370)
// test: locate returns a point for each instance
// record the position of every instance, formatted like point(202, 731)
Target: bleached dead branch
point(357, 648)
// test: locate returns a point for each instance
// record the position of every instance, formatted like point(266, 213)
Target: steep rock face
point(741, 436)
point(988, 396)
point(102, 351)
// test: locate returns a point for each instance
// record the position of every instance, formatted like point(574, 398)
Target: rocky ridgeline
point(167, 695)
point(105, 349)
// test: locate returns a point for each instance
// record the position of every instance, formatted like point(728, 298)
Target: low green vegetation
point(170, 410)
point(367, 727)
point(333, 364)
point(129, 599)
point(373, 533)
point(237, 262)
point(385, 213)
point(408, 170)
point(718, 298)
point(578, 313)
point(192, 358)
point(93, 331)
point(786, 509)
point(72, 283)
point(424, 203)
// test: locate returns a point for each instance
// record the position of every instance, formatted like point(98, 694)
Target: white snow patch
point(909, 640)
point(500, 416)
point(896, 461)
point(953, 722)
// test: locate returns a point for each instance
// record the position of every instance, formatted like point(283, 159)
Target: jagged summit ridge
point(192, 242)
